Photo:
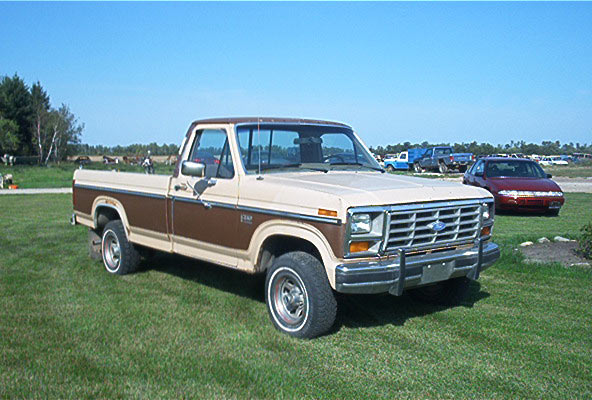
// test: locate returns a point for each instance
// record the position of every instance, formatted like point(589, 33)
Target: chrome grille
point(409, 227)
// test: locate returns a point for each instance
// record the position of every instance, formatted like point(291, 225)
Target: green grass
point(185, 329)
point(583, 170)
point(56, 176)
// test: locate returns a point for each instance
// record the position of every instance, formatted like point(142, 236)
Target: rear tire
point(450, 292)
point(299, 298)
point(443, 168)
point(119, 254)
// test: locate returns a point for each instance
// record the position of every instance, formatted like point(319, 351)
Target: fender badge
point(246, 219)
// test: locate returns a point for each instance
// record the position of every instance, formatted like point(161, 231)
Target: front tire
point(390, 168)
point(299, 298)
point(119, 255)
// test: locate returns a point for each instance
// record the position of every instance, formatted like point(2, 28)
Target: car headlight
point(361, 223)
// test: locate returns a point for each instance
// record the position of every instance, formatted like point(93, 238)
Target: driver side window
point(211, 148)
point(478, 168)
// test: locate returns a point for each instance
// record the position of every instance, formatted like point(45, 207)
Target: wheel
point(298, 296)
point(442, 168)
point(418, 168)
point(119, 255)
point(390, 168)
point(450, 292)
point(554, 212)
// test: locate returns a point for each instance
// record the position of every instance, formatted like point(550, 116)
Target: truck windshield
point(443, 151)
point(286, 147)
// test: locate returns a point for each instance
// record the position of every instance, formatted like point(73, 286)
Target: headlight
point(361, 223)
point(527, 193)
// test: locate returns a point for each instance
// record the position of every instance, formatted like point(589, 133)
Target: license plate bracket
point(437, 272)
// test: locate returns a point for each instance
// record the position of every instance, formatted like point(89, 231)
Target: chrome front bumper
point(401, 272)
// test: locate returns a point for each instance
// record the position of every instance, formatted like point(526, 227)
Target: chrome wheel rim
point(289, 299)
point(111, 251)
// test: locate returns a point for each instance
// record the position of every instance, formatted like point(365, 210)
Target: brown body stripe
point(217, 225)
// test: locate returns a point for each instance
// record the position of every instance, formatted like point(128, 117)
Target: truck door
point(428, 159)
point(203, 210)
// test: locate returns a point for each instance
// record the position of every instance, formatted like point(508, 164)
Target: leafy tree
point(16, 105)
point(41, 110)
point(9, 141)
point(65, 131)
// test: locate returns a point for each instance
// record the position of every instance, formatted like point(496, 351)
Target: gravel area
point(35, 191)
point(561, 252)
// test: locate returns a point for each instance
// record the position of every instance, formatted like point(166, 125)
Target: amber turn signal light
point(328, 213)
point(356, 247)
point(486, 231)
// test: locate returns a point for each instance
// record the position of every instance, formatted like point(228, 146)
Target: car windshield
point(511, 168)
point(282, 147)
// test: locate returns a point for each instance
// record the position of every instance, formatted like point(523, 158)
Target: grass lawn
point(583, 170)
point(185, 329)
point(56, 176)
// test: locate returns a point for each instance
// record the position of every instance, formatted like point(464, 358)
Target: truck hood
point(344, 189)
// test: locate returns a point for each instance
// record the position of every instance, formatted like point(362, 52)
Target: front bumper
point(403, 272)
point(528, 203)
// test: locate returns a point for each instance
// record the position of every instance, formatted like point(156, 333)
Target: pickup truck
point(301, 201)
point(443, 160)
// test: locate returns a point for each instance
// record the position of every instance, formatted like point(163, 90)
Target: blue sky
point(450, 72)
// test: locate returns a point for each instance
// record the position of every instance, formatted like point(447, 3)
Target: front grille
point(409, 228)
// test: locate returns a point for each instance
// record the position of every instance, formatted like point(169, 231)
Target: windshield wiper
point(278, 166)
point(359, 164)
point(295, 165)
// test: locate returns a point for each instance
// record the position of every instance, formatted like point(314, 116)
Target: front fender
point(299, 230)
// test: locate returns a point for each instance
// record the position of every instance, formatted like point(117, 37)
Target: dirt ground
point(561, 252)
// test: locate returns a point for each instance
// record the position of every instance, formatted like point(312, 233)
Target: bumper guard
point(403, 271)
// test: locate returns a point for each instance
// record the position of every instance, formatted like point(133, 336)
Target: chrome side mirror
point(191, 168)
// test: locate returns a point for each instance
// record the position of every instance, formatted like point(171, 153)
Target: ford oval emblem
point(437, 226)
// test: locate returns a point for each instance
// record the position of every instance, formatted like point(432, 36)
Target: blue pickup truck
point(440, 159)
point(443, 160)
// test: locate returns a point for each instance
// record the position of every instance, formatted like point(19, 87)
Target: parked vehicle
point(400, 162)
point(443, 160)
point(516, 184)
point(313, 227)
point(82, 160)
point(558, 160)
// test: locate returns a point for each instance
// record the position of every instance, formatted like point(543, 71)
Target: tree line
point(132, 149)
point(545, 148)
point(31, 126)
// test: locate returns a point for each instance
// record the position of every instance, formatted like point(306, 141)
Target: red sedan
point(516, 184)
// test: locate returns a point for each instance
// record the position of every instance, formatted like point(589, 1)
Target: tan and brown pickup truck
point(302, 201)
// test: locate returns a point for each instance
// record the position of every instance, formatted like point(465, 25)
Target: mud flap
point(94, 245)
